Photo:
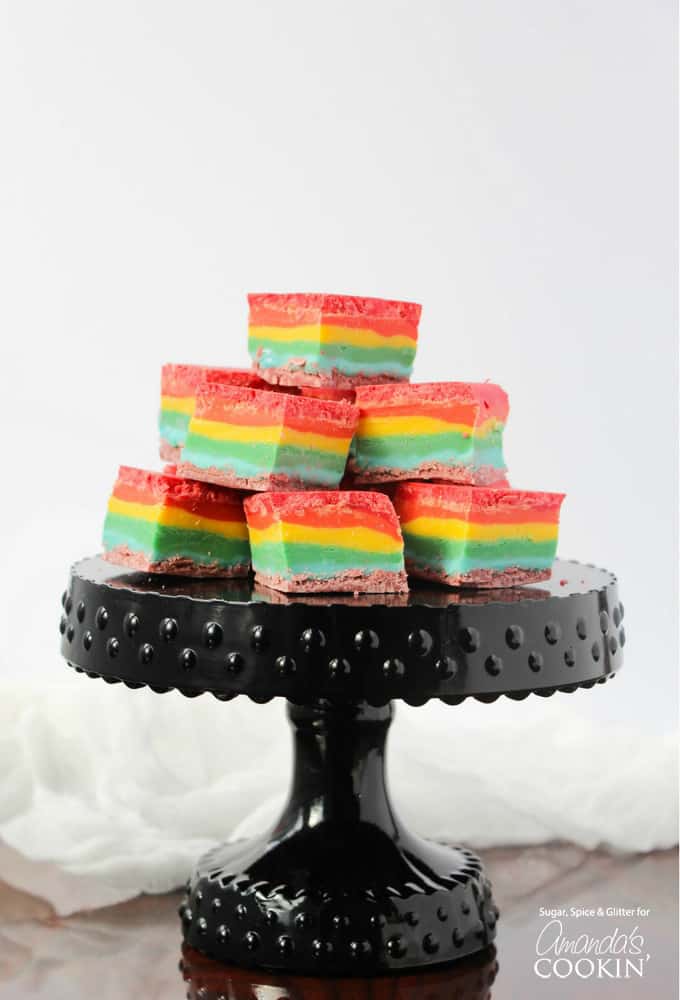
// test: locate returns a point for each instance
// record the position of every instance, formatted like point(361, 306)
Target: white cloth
point(117, 792)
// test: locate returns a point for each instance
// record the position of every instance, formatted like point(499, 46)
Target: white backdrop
point(510, 166)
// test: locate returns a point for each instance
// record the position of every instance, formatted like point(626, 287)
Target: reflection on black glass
point(567, 578)
point(469, 979)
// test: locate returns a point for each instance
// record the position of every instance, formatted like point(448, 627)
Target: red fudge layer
point(480, 504)
point(263, 407)
point(299, 308)
point(183, 380)
point(148, 487)
point(382, 400)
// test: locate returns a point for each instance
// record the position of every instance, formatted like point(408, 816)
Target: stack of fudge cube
point(323, 468)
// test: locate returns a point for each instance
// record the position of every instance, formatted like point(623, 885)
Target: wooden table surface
point(133, 950)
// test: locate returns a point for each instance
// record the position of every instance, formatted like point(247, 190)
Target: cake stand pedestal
point(339, 886)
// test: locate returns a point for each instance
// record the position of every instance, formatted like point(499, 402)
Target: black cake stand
point(339, 886)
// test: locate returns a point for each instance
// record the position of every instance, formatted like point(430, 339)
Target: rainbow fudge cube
point(161, 523)
point(259, 440)
point(436, 430)
point(178, 397)
point(333, 341)
point(468, 536)
point(326, 541)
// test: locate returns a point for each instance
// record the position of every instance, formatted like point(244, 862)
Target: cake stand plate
point(339, 886)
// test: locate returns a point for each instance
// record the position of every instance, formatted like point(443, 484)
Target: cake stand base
point(339, 887)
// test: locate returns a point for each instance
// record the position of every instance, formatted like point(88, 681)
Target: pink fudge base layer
point(513, 576)
point(123, 556)
point(485, 475)
point(170, 452)
point(391, 599)
point(293, 375)
point(378, 582)
point(256, 484)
